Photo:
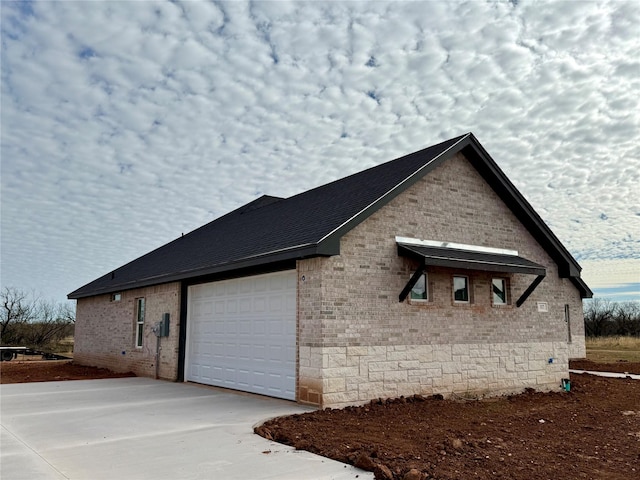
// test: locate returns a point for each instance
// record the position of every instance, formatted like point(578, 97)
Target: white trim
point(456, 246)
point(394, 188)
point(271, 252)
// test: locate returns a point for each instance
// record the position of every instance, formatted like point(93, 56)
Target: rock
point(412, 474)
point(303, 445)
point(264, 432)
point(382, 472)
point(364, 462)
point(456, 443)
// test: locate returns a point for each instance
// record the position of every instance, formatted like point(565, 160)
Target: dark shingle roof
point(272, 229)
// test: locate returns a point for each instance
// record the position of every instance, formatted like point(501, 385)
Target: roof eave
point(568, 267)
point(583, 288)
point(296, 253)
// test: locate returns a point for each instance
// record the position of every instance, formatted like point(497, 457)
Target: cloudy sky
point(126, 123)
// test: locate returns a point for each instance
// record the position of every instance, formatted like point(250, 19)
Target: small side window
point(116, 297)
point(499, 291)
point(461, 289)
point(139, 322)
point(420, 290)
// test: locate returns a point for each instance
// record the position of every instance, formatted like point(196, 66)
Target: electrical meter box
point(164, 325)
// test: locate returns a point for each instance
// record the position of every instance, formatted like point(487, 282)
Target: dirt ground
point(592, 432)
point(51, 370)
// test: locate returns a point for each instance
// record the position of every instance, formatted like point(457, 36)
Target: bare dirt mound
point(52, 370)
point(592, 432)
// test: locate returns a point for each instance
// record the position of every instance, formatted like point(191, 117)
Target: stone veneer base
point(341, 376)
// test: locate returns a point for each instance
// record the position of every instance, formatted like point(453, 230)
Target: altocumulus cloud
point(127, 123)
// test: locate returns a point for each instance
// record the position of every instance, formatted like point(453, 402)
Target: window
point(116, 297)
point(499, 291)
point(420, 290)
point(461, 289)
point(139, 321)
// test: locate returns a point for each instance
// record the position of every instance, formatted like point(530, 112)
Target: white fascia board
point(279, 250)
point(456, 246)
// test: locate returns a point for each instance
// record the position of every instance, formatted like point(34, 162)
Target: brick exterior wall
point(105, 332)
point(357, 342)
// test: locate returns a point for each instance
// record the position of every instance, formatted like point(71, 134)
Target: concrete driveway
point(138, 428)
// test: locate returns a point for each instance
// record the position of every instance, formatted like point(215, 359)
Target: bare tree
point(605, 318)
point(596, 317)
point(67, 312)
point(17, 309)
point(30, 321)
point(50, 325)
point(627, 319)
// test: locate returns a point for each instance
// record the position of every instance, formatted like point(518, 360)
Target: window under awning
point(469, 257)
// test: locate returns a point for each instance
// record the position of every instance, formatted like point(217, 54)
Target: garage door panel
point(260, 304)
point(245, 305)
point(245, 328)
point(247, 340)
point(243, 379)
point(219, 307)
point(258, 353)
point(244, 352)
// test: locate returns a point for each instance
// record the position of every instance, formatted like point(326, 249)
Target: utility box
point(164, 325)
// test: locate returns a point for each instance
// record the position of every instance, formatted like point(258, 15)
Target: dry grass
point(613, 349)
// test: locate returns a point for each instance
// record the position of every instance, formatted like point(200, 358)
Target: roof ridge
point(455, 140)
point(380, 165)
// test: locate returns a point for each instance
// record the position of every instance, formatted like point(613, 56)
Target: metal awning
point(489, 260)
point(471, 260)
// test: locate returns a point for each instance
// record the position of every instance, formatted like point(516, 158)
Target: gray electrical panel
point(164, 325)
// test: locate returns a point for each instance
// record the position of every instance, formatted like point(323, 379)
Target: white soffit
point(457, 246)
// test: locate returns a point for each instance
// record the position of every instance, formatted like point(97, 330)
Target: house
point(427, 274)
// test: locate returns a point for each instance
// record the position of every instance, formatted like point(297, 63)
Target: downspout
point(157, 355)
point(182, 336)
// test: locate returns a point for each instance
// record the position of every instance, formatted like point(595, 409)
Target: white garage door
point(242, 334)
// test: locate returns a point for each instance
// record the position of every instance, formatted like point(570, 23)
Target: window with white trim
point(420, 291)
point(139, 322)
point(461, 289)
point(116, 297)
point(499, 291)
